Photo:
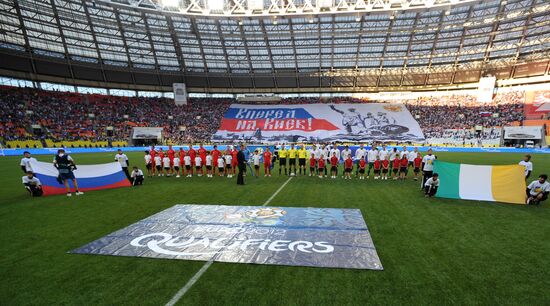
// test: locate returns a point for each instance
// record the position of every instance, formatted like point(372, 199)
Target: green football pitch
point(434, 251)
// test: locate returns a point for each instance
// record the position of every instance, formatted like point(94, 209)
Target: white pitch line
point(207, 265)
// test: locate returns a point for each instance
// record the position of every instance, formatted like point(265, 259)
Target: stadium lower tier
point(32, 118)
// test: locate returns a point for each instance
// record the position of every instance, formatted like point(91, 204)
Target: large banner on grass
point(317, 237)
point(480, 182)
point(88, 177)
point(319, 123)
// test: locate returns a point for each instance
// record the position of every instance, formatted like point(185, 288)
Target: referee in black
point(241, 160)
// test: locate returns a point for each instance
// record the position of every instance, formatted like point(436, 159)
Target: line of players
point(193, 162)
point(383, 163)
point(321, 160)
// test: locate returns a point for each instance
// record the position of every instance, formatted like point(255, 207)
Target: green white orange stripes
point(481, 182)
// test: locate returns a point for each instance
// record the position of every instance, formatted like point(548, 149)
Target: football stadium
point(275, 152)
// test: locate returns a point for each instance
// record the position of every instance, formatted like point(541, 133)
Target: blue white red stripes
point(89, 177)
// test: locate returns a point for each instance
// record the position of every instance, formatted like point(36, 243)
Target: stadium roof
point(275, 45)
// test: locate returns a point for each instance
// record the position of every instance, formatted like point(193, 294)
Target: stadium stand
point(447, 120)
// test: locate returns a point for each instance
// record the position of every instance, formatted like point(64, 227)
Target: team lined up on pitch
point(294, 160)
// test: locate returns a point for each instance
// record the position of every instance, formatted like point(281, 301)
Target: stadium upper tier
point(87, 118)
point(335, 45)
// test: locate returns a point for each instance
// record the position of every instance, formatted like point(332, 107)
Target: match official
point(241, 160)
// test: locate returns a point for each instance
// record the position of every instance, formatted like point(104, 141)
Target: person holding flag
point(122, 159)
point(538, 190)
point(427, 166)
point(65, 165)
point(32, 184)
point(26, 162)
point(431, 185)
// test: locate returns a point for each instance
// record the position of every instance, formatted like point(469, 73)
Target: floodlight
point(215, 5)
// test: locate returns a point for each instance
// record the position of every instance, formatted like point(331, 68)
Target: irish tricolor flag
point(482, 183)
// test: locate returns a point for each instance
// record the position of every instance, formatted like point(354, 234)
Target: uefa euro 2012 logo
point(264, 216)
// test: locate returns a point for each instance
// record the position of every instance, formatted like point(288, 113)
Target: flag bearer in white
point(122, 159)
point(32, 184)
point(538, 190)
point(136, 177)
point(26, 162)
point(427, 166)
point(431, 185)
point(526, 162)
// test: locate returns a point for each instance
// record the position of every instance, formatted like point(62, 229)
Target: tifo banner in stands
point(319, 122)
point(537, 104)
point(88, 177)
point(317, 237)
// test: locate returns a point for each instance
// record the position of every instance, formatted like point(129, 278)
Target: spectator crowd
point(74, 116)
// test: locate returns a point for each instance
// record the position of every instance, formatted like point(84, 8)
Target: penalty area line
point(207, 265)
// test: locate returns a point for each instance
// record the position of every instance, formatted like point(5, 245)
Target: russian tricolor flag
point(88, 177)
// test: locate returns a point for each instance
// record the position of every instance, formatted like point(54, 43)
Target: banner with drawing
point(319, 123)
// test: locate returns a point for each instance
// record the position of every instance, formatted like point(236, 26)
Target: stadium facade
point(275, 46)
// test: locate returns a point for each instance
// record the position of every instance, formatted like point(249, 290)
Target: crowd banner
point(481, 182)
point(314, 237)
point(89, 177)
point(319, 123)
